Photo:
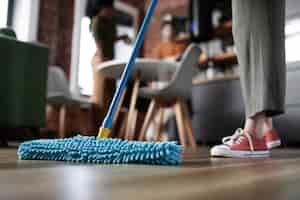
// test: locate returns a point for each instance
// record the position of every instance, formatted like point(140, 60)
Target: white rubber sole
point(215, 152)
point(273, 144)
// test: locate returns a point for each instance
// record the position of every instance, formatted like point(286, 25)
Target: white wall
point(25, 19)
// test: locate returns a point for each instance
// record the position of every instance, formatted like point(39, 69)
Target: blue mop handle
point(107, 122)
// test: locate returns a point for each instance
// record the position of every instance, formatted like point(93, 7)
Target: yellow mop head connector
point(103, 133)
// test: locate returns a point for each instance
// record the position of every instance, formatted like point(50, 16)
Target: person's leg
point(103, 88)
point(258, 29)
point(263, 69)
point(268, 124)
point(260, 125)
point(255, 125)
point(261, 55)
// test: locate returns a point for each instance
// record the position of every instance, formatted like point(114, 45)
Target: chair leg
point(160, 125)
point(129, 132)
point(122, 129)
point(119, 109)
point(149, 116)
point(188, 125)
point(62, 121)
point(180, 123)
point(133, 125)
point(52, 117)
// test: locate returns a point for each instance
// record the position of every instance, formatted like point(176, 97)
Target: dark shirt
point(105, 34)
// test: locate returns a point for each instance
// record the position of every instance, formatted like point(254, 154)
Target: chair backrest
point(57, 82)
point(181, 82)
point(8, 32)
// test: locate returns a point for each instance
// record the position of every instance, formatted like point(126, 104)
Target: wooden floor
point(200, 177)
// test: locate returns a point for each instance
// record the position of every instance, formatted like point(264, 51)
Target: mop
point(102, 149)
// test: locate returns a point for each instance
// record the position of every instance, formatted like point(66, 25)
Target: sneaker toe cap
point(219, 150)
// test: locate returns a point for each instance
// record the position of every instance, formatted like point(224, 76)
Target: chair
point(23, 82)
point(58, 94)
point(174, 94)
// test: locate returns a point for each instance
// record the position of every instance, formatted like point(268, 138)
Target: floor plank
point(198, 177)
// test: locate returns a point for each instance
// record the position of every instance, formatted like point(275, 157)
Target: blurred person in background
point(103, 28)
point(168, 48)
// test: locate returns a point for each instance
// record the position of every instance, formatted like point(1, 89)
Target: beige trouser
point(258, 29)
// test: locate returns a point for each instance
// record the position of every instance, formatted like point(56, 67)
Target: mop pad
point(104, 150)
point(84, 149)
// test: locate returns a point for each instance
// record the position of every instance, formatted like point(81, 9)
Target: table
point(145, 70)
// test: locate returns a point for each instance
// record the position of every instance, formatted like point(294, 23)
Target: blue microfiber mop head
point(101, 151)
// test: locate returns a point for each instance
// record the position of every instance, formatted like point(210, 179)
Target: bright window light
point(292, 27)
point(87, 50)
point(122, 50)
point(292, 41)
point(3, 12)
point(292, 45)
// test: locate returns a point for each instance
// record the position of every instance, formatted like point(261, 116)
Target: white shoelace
point(237, 137)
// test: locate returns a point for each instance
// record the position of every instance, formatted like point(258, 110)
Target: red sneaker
point(241, 145)
point(272, 139)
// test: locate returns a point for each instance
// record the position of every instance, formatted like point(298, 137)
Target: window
point(25, 18)
point(84, 46)
point(3, 13)
point(87, 50)
point(292, 41)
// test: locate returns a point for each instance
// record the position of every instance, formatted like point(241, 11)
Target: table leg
point(129, 132)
